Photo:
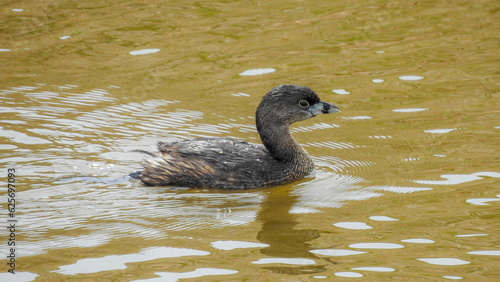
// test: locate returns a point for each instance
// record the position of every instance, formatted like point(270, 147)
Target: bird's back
point(215, 163)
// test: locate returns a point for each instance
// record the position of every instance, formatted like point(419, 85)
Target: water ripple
point(116, 262)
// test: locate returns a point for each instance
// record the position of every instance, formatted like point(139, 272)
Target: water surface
point(407, 174)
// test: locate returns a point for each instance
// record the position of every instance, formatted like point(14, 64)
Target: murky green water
point(407, 185)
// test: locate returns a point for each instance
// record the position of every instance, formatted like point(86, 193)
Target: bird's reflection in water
point(278, 231)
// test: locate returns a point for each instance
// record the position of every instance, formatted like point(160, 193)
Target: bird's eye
point(303, 104)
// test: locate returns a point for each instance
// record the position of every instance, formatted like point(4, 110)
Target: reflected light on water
point(410, 77)
point(197, 273)
point(19, 276)
point(453, 277)
point(382, 218)
point(231, 245)
point(482, 201)
point(260, 71)
point(299, 210)
point(353, 225)
point(291, 261)
point(486, 253)
point(330, 190)
point(23, 138)
point(454, 179)
point(348, 274)
point(83, 241)
point(341, 91)
point(380, 136)
point(71, 137)
point(418, 241)
point(240, 94)
point(376, 246)
point(312, 127)
point(374, 268)
point(440, 131)
point(410, 110)
point(115, 262)
point(358, 117)
point(336, 252)
point(400, 190)
point(144, 52)
point(444, 261)
point(470, 235)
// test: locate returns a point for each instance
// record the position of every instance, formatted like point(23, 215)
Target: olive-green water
point(408, 174)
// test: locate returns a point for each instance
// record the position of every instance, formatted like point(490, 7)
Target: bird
point(225, 163)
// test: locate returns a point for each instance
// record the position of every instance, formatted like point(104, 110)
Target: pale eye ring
point(303, 104)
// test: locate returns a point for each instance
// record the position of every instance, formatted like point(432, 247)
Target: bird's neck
point(281, 145)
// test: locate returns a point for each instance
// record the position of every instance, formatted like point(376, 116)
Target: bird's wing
point(212, 149)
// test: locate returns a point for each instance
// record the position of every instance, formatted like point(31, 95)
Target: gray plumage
point(232, 164)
